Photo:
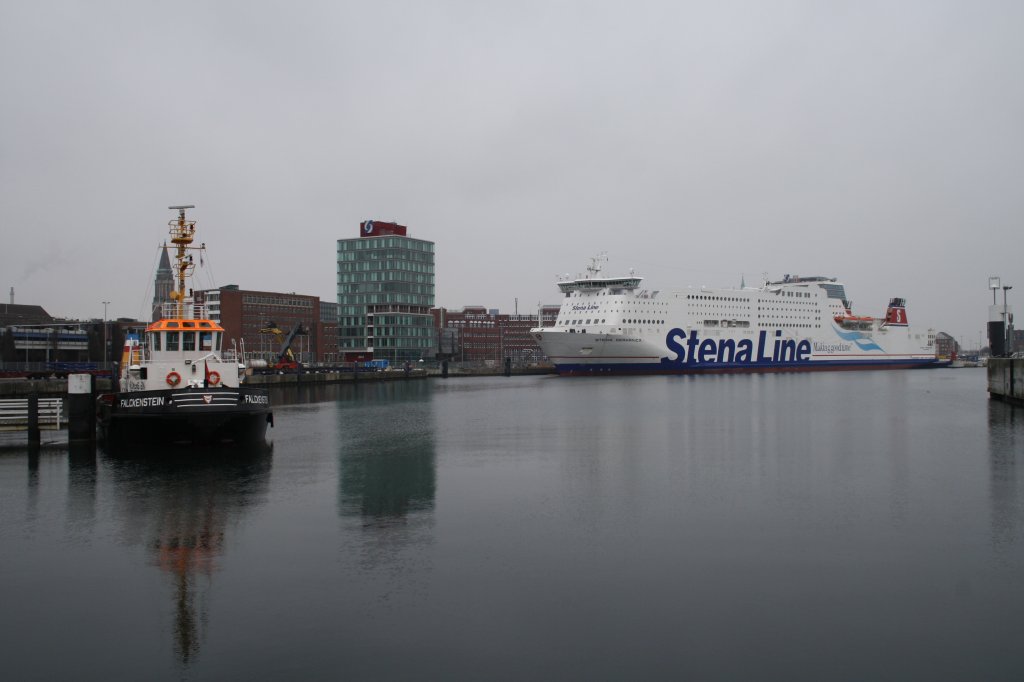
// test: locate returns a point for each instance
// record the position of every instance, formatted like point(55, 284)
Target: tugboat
point(175, 385)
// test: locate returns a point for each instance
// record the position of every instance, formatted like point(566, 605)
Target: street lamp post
point(106, 353)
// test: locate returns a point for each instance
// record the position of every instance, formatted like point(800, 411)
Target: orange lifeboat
point(849, 320)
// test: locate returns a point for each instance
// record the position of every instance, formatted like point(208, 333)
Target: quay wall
point(22, 388)
point(1006, 380)
point(286, 379)
point(313, 378)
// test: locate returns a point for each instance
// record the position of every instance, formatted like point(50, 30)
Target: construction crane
point(285, 357)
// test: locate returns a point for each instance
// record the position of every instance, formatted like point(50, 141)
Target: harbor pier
point(1006, 380)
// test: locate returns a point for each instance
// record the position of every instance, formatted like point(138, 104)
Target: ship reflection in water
point(178, 503)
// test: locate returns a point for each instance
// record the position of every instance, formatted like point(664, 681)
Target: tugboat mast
point(182, 232)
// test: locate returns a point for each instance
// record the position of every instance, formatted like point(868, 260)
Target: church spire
point(163, 284)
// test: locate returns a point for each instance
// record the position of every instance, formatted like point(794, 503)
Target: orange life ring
point(213, 379)
point(173, 379)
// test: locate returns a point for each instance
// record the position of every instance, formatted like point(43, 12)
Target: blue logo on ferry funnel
point(693, 350)
point(863, 341)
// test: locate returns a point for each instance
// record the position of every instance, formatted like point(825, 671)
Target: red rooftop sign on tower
point(378, 228)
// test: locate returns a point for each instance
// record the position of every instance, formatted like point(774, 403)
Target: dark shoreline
point(20, 388)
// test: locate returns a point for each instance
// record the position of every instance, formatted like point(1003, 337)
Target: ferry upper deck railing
point(630, 282)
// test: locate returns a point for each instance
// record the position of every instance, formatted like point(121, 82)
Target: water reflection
point(1005, 449)
point(81, 501)
point(299, 394)
point(387, 482)
point(387, 459)
point(178, 503)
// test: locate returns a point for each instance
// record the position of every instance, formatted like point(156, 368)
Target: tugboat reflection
point(178, 503)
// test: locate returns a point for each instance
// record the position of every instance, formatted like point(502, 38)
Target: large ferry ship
point(175, 384)
point(613, 325)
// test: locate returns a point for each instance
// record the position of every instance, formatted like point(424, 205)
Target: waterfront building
point(385, 293)
point(476, 334)
point(244, 314)
point(30, 334)
point(329, 332)
point(14, 314)
point(946, 346)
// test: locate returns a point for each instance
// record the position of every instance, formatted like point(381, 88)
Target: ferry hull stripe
point(577, 369)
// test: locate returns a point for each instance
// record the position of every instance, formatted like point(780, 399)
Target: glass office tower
point(385, 293)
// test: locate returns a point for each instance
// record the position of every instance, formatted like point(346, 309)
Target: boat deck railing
point(188, 311)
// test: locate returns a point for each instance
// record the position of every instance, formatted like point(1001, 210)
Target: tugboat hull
point(190, 415)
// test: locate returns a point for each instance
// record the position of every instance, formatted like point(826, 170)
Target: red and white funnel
point(896, 313)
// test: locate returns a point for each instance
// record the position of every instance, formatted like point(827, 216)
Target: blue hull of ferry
point(619, 369)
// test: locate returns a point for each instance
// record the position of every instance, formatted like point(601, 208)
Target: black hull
point(197, 416)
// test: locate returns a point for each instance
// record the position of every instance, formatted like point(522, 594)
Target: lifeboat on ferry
point(851, 321)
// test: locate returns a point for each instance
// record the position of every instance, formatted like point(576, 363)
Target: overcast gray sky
point(879, 142)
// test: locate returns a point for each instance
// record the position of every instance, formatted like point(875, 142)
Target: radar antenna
point(182, 232)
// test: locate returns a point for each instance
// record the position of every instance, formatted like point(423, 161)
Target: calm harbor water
point(848, 526)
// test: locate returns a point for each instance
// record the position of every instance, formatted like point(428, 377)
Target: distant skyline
point(699, 143)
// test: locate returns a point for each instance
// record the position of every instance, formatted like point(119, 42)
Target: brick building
point(946, 346)
point(329, 332)
point(475, 334)
point(244, 313)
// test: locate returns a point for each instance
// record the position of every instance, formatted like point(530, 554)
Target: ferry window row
point(790, 304)
point(707, 297)
point(794, 325)
point(727, 323)
point(568, 323)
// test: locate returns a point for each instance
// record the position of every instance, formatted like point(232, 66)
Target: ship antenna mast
point(596, 264)
point(182, 232)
